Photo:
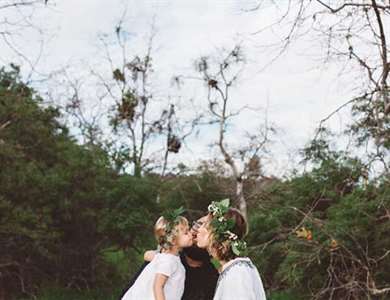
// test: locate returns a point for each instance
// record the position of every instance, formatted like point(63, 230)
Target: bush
point(324, 233)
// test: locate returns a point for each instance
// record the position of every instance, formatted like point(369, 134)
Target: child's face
point(184, 237)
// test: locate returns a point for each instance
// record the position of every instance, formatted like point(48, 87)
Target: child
point(163, 278)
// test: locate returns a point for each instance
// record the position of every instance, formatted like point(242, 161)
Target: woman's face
point(195, 227)
point(203, 234)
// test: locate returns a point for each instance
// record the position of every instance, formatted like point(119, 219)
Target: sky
point(296, 91)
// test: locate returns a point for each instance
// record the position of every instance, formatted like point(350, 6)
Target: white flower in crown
point(211, 209)
point(220, 219)
point(232, 236)
point(214, 209)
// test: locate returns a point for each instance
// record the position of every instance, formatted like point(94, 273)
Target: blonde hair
point(166, 239)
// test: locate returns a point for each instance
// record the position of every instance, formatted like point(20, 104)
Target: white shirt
point(239, 280)
point(163, 263)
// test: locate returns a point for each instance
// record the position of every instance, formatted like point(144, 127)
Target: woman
point(222, 236)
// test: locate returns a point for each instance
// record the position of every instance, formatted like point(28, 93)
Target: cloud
point(297, 90)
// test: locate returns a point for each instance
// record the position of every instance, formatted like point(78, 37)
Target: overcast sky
point(297, 89)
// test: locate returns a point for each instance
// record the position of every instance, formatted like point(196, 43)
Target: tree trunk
point(241, 198)
point(137, 170)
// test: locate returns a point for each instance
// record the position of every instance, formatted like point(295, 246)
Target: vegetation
point(70, 222)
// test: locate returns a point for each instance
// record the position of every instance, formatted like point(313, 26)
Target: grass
point(123, 269)
point(119, 260)
point(66, 294)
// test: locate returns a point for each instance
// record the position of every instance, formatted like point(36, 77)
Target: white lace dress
point(163, 263)
point(239, 280)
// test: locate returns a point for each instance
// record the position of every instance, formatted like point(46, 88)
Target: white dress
point(163, 263)
point(239, 280)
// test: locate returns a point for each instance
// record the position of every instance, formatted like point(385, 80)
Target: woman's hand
point(158, 286)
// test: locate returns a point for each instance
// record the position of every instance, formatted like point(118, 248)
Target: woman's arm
point(158, 286)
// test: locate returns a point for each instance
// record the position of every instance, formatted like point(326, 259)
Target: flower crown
point(222, 227)
point(172, 219)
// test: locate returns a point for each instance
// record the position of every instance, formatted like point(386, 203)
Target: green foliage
point(193, 192)
point(62, 204)
point(73, 227)
point(131, 208)
point(321, 231)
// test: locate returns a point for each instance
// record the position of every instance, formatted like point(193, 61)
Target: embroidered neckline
point(234, 261)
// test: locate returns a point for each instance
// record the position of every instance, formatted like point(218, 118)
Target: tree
point(137, 117)
point(219, 76)
point(17, 19)
point(61, 204)
point(321, 234)
point(354, 33)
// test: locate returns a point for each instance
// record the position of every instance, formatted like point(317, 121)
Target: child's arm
point(158, 286)
point(149, 255)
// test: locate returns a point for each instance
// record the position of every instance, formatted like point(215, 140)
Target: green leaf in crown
point(220, 208)
point(171, 216)
point(223, 227)
point(239, 248)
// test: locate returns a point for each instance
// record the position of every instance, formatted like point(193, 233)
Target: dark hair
point(221, 249)
point(196, 253)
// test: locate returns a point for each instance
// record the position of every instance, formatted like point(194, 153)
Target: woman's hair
point(166, 236)
point(221, 248)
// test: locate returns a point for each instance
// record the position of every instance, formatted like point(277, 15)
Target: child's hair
point(222, 249)
point(165, 235)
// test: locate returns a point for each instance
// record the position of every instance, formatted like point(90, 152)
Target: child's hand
point(149, 255)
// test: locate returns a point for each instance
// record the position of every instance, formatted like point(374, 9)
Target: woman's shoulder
point(237, 266)
point(240, 279)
